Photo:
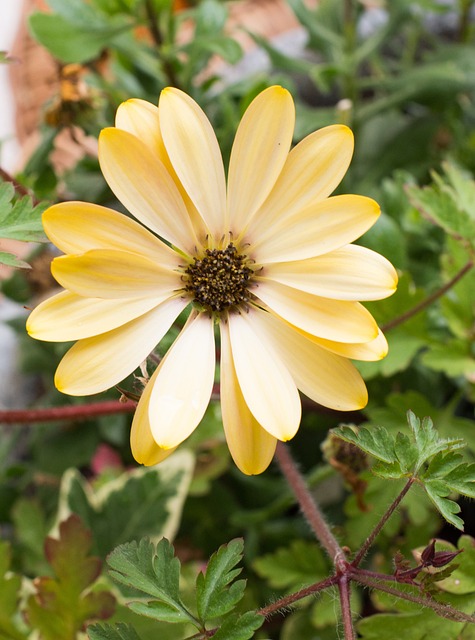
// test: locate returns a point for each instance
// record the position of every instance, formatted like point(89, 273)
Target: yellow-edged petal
point(326, 378)
point(183, 386)
point(77, 227)
point(67, 316)
point(195, 155)
point(371, 351)
point(144, 448)
point(105, 273)
point(98, 363)
point(313, 170)
point(251, 446)
point(144, 186)
point(338, 320)
point(314, 231)
point(349, 273)
point(267, 386)
point(258, 154)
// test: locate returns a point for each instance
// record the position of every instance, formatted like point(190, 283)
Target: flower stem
point(367, 544)
point(69, 412)
point(309, 507)
point(407, 315)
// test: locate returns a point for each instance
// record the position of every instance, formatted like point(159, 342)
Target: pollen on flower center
point(220, 279)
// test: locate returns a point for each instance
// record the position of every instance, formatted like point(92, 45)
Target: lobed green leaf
point(213, 595)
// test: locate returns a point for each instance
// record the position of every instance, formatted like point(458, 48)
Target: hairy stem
point(443, 610)
point(407, 315)
point(69, 412)
point(344, 589)
point(368, 543)
point(308, 505)
point(287, 601)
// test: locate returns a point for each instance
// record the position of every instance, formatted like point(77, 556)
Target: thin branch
point(287, 601)
point(407, 315)
point(309, 507)
point(443, 610)
point(368, 543)
point(69, 412)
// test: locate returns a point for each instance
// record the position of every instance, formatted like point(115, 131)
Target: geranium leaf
point(119, 631)
point(214, 595)
point(237, 627)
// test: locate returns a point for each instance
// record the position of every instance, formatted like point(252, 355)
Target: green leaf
point(214, 596)
point(377, 442)
point(9, 596)
point(239, 627)
point(300, 564)
point(20, 220)
point(10, 260)
point(69, 42)
point(141, 502)
point(425, 457)
point(462, 579)
point(63, 603)
point(155, 572)
point(119, 631)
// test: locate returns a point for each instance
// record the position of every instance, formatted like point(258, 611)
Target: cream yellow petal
point(142, 120)
point(313, 170)
point(183, 386)
point(251, 446)
point(338, 320)
point(98, 363)
point(317, 230)
point(349, 273)
point(143, 185)
point(144, 448)
point(105, 273)
point(267, 386)
point(259, 152)
point(77, 227)
point(67, 316)
point(326, 378)
point(195, 155)
point(371, 351)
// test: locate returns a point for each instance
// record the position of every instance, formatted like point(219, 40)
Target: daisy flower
point(263, 260)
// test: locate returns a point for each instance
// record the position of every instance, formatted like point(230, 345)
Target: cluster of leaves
point(155, 572)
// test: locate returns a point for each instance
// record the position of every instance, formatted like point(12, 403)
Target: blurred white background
point(10, 11)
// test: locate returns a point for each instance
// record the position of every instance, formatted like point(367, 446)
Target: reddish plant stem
point(344, 589)
point(443, 610)
point(287, 601)
point(70, 412)
point(368, 543)
point(309, 507)
point(407, 315)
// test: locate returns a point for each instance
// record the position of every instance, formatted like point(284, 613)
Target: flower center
point(220, 279)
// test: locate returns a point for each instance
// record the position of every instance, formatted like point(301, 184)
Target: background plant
point(402, 78)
